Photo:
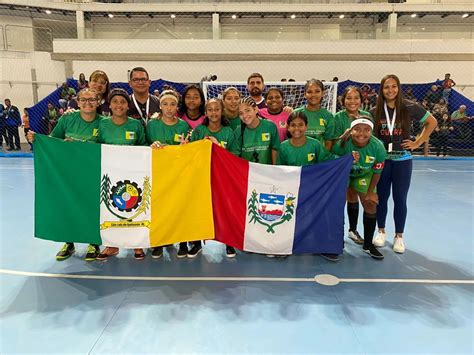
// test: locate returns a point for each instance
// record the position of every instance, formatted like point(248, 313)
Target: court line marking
point(218, 278)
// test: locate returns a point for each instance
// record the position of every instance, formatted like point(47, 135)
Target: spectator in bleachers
point(448, 83)
point(442, 134)
point(82, 83)
point(25, 121)
point(66, 94)
point(433, 96)
point(100, 83)
point(409, 94)
point(459, 113)
point(3, 127)
point(52, 116)
point(13, 121)
point(439, 109)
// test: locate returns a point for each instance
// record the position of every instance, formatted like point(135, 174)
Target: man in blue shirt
point(13, 121)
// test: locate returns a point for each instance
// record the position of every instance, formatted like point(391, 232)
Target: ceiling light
point(413, 15)
point(341, 16)
point(293, 16)
point(110, 15)
point(48, 12)
point(173, 16)
point(465, 15)
point(234, 17)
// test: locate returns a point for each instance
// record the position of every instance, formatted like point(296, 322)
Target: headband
point(362, 121)
point(168, 96)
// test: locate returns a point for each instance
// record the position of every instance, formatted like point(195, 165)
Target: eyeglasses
point(139, 80)
point(91, 100)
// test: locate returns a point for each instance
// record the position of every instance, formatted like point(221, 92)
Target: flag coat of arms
point(130, 197)
point(279, 209)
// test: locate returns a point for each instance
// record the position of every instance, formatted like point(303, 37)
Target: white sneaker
point(379, 240)
point(398, 245)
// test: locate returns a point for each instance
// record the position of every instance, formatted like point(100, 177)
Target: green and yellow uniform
point(310, 153)
point(342, 121)
point(157, 130)
point(225, 137)
point(129, 133)
point(234, 122)
point(320, 124)
point(72, 126)
point(257, 144)
point(371, 161)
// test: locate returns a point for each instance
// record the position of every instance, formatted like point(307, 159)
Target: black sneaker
point(156, 252)
point(195, 250)
point(330, 257)
point(183, 251)
point(373, 252)
point(355, 237)
point(230, 251)
point(66, 251)
point(92, 252)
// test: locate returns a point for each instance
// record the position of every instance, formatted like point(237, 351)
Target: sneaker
point(195, 250)
point(330, 257)
point(355, 237)
point(138, 254)
point(183, 251)
point(230, 252)
point(106, 253)
point(398, 245)
point(379, 240)
point(92, 252)
point(373, 252)
point(66, 251)
point(156, 252)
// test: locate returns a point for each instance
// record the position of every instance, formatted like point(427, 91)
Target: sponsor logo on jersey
point(95, 132)
point(282, 124)
point(311, 156)
point(129, 135)
point(265, 137)
point(379, 166)
point(177, 137)
point(362, 182)
point(322, 122)
point(369, 159)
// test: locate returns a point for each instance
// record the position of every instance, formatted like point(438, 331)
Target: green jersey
point(311, 152)
point(129, 133)
point(257, 144)
point(372, 157)
point(225, 137)
point(320, 124)
point(157, 130)
point(72, 126)
point(342, 121)
point(234, 122)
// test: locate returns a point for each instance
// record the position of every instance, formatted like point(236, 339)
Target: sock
point(353, 213)
point(369, 228)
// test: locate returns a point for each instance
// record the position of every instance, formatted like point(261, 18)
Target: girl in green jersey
point(168, 130)
point(116, 130)
point(215, 128)
point(352, 101)
point(231, 100)
point(365, 174)
point(257, 138)
point(320, 121)
point(82, 125)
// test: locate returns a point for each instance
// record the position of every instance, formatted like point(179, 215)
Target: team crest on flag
point(126, 201)
point(270, 209)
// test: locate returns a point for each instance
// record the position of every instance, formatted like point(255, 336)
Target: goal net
point(293, 91)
